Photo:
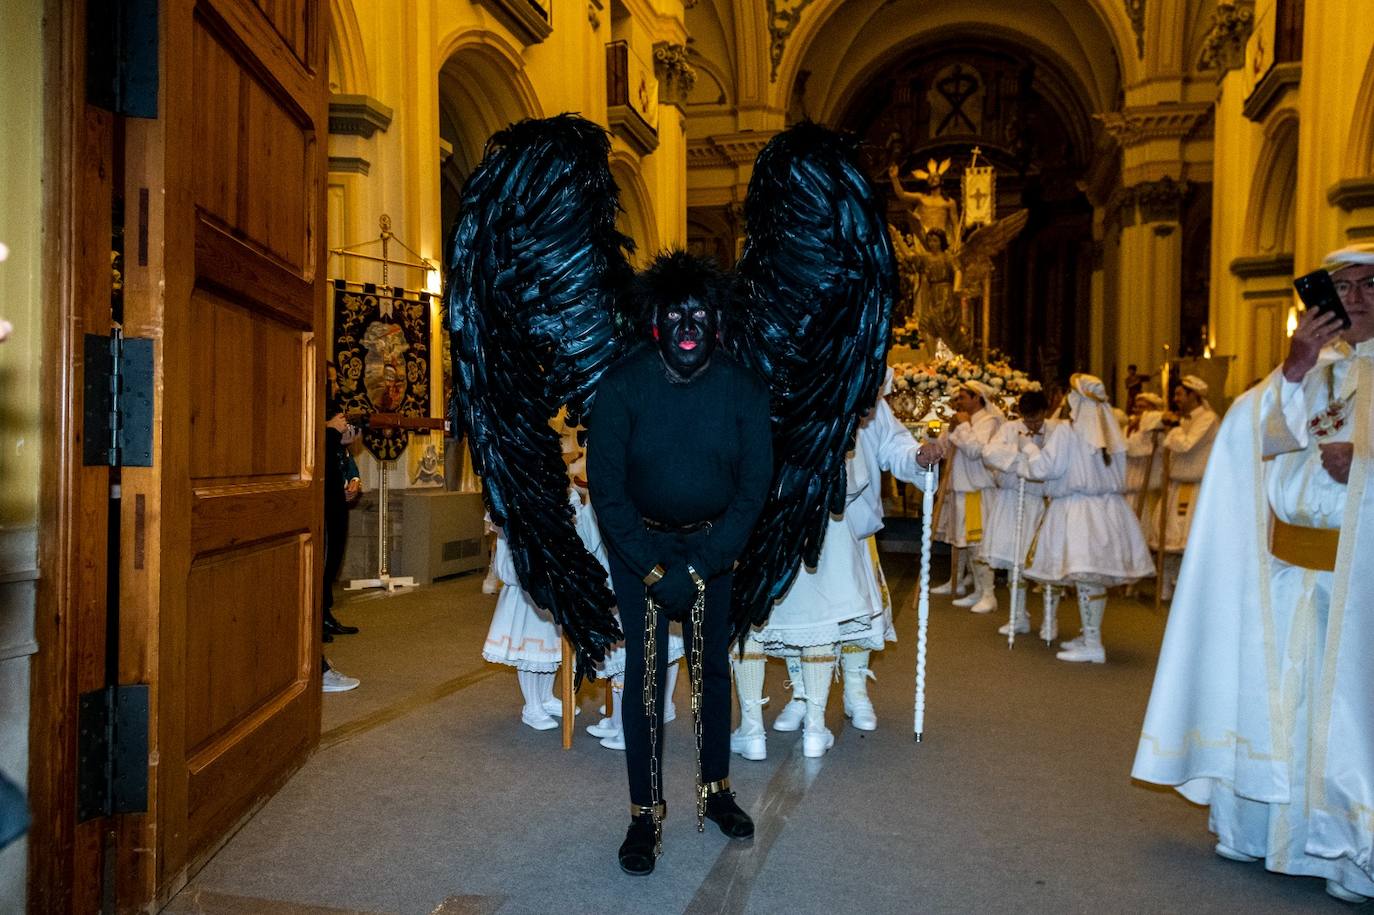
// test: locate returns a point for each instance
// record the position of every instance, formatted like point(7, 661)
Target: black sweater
point(678, 454)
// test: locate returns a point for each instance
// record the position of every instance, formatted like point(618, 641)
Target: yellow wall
point(21, 290)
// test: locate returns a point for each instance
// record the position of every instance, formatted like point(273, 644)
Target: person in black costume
point(336, 498)
point(679, 461)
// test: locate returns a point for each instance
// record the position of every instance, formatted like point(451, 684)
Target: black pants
point(335, 539)
point(715, 714)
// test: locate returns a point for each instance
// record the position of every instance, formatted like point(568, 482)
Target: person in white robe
point(1003, 546)
point(1192, 430)
point(1089, 538)
point(839, 603)
point(1263, 701)
point(884, 444)
point(965, 507)
point(1144, 458)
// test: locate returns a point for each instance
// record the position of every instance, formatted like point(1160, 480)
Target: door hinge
point(119, 401)
point(112, 751)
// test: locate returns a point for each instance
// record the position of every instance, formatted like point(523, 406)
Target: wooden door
point(224, 556)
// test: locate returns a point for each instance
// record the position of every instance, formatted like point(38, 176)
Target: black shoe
point(328, 636)
point(637, 851)
point(722, 810)
point(333, 627)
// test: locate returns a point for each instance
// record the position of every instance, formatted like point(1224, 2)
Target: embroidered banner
point(381, 348)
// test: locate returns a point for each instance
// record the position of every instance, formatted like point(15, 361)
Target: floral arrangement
point(920, 390)
point(908, 334)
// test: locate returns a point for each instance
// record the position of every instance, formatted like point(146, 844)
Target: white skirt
point(614, 665)
point(1090, 538)
point(522, 635)
point(999, 530)
point(838, 601)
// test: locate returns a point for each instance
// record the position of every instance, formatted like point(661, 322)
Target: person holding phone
point(1263, 703)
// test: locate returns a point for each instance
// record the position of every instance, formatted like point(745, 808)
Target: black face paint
point(686, 334)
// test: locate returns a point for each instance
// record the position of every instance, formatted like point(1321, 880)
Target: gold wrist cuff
point(696, 577)
point(655, 575)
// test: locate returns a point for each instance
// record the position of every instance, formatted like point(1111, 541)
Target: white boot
point(858, 708)
point(985, 581)
point(610, 725)
point(670, 687)
point(750, 740)
point(532, 688)
point(1049, 626)
point(1020, 618)
point(1336, 891)
point(553, 706)
point(790, 718)
point(1092, 604)
point(818, 669)
point(958, 574)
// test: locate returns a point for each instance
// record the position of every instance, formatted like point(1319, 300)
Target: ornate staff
point(1016, 561)
point(923, 592)
point(1163, 530)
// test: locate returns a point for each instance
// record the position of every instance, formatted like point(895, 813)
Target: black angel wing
point(536, 271)
point(819, 281)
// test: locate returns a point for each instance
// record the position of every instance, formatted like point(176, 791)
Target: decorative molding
point(1260, 265)
point(1280, 78)
point(1284, 292)
point(1136, 10)
point(1223, 48)
point(783, 17)
point(673, 70)
point(349, 165)
point(1352, 193)
point(358, 116)
point(726, 150)
point(626, 123)
point(1132, 126)
point(594, 14)
point(527, 19)
point(1148, 202)
point(1359, 233)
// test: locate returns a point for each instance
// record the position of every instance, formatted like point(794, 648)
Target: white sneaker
point(537, 718)
point(1336, 891)
point(966, 601)
point(337, 682)
point(554, 707)
point(749, 745)
point(1048, 635)
point(816, 742)
point(790, 718)
point(860, 713)
point(985, 604)
point(603, 728)
point(1075, 642)
point(1022, 627)
point(1230, 854)
point(614, 741)
point(946, 588)
point(1085, 653)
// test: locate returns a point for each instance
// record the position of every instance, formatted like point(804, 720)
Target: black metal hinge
point(112, 751)
point(119, 401)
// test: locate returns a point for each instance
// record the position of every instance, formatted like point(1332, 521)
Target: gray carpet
point(429, 796)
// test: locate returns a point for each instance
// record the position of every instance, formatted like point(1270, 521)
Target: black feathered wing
point(536, 270)
point(818, 283)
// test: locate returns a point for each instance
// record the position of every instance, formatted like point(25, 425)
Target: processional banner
point(980, 195)
point(381, 351)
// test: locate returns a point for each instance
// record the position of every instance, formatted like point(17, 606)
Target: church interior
point(205, 201)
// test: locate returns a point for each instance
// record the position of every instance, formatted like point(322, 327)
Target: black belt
point(664, 528)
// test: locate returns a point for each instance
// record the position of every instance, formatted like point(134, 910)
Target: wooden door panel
point(244, 635)
point(248, 388)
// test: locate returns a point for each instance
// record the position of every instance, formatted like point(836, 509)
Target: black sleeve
point(608, 440)
point(728, 536)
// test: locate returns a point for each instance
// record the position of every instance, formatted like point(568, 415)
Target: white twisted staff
point(1016, 560)
point(923, 596)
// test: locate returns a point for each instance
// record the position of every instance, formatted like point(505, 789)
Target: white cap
point(1151, 398)
point(1194, 384)
point(1361, 255)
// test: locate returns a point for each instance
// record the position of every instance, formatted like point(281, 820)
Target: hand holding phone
point(1318, 293)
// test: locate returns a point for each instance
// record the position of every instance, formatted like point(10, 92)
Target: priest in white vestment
point(964, 512)
point(1263, 703)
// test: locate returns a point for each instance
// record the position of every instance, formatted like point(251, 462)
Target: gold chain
point(698, 642)
point(651, 712)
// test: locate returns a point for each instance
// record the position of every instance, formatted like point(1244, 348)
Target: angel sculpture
point(540, 305)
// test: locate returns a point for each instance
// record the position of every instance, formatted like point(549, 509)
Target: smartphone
point(1317, 291)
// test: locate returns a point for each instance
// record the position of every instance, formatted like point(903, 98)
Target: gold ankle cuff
point(716, 787)
point(658, 811)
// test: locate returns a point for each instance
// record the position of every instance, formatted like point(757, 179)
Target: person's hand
point(338, 422)
point(960, 418)
point(1336, 458)
point(1315, 330)
point(353, 488)
point(1169, 419)
point(929, 455)
point(675, 591)
point(351, 433)
point(892, 170)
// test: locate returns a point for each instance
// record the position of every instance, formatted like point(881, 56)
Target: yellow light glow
point(433, 285)
point(1292, 320)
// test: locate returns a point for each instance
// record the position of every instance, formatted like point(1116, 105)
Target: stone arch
point(1359, 155)
point(637, 217)
point(1106, 17)
point(348, 72)
point(483, 87)
point(1271, 216)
